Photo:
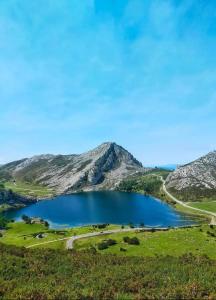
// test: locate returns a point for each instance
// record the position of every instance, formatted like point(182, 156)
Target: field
point(207, 205)
point(29, 189)
point(175, 242)
point(50, 274)
point(21, 234)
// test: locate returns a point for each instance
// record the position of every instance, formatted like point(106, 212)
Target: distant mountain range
point(170, 167)
point(195, 180)
point(101, 168)
point(104, 167)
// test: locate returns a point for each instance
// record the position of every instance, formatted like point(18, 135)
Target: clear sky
point(76, 73)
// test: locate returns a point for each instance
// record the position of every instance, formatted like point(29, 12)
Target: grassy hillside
point(50, 274)
point(149, 183)
point(29, 189)
point(176, 242)
point(11, 199)
point(21, 234)
point(199, 240)
point(207, 205)
point(194, 194)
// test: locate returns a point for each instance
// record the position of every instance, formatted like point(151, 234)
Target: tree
point(102, 246)
point(26, 219)
point(3, 222)
point(126, 239)
point(46, 224)
point(111, 242)
point(131, 241)
point(131, 225)
point(134, 241)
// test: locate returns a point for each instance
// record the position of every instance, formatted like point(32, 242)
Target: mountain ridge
point(100, 168)
point(196, 179)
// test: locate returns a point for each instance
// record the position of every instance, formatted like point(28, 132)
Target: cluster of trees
point(26, 219)
point(147, 184)
point(62, 275)
point(131, 241)
point(106, 244)
point(29, 220)
point(3, 222)
point(100, 226)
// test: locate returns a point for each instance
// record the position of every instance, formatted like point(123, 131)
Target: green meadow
point(29, 189)
point(206, 205)
point(175, 242)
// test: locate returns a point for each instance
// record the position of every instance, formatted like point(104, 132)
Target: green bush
point(111, 242)
point(131, 241)
point(102, 246)
point(3, 222)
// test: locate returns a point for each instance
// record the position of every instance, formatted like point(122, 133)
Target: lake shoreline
point(111, 207)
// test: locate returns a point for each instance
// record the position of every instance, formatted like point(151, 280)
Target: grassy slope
point(209, 205)
point(29, 189)
point(175, 242)
point(49, 274)
point(149, 183)
point(21, 234)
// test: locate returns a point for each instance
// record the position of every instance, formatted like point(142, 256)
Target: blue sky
point(74, 74)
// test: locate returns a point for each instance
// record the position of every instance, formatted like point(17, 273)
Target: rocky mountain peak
point(101, 168)
point(195, 179)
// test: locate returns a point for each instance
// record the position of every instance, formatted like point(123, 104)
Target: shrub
point(111, 242)
point(46, 224)
point(134, 241)
point(102, 246)
point(100, 226)
point(3, 222)
point(123, 249)
point(131, 241)
point(131, 225)
point(126, 239)
point(26, 219)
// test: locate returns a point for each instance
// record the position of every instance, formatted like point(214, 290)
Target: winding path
point(213, 215)
point(70, 240)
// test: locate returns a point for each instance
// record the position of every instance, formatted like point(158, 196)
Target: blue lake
point(103, 207)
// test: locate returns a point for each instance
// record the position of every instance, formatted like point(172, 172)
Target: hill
point(101, 168)
point(196, 180)
point(9, 199)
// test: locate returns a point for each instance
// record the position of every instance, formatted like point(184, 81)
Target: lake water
point(103, 207)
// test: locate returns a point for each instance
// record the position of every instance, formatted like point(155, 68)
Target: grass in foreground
point(21, 234)
point(175, 242)
point(50, 274)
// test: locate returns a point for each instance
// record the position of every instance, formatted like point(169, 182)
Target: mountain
point(195, 180)
point(101, 168)
point(170, 167)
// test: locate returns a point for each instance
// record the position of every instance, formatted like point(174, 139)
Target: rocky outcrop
point(194, 180)
point(101, 168)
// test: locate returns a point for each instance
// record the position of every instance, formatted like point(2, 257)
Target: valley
point(103, 208)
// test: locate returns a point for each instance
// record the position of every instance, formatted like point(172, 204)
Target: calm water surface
point(103, 207)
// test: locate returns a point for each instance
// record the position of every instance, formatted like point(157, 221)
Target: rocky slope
point(101, 168)
point(195, 180)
